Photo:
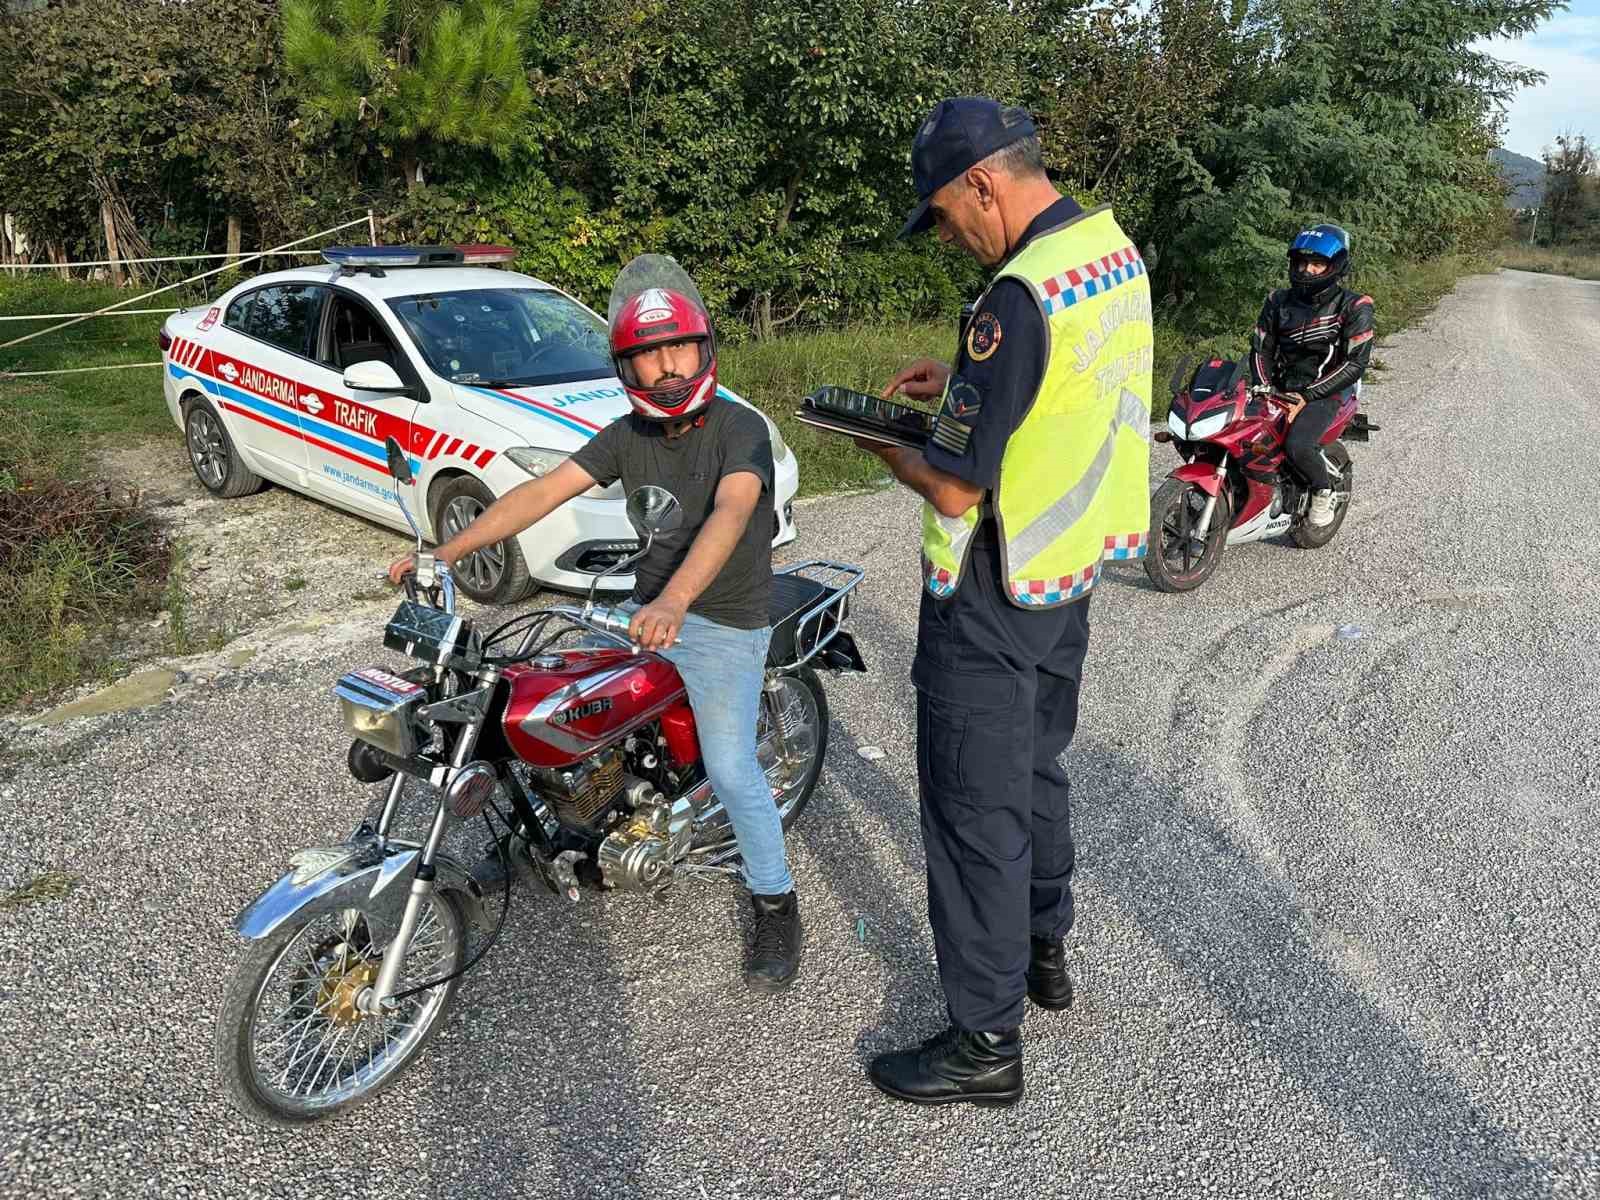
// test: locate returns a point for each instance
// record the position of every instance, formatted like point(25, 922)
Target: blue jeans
point(722, 670)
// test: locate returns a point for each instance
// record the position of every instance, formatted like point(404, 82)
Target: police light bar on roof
point(481, 252)
point(355, 258)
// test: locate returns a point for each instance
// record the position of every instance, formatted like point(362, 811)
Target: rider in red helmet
point(711, 578)
point(665, 337)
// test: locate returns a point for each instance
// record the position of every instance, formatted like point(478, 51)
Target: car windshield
point(506, 337)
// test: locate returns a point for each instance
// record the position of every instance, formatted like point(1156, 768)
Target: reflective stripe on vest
point(1067, 499)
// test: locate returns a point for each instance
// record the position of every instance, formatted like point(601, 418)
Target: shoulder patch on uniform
point(983, 336)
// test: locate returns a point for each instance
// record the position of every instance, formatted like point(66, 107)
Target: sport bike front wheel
point(1179, 560)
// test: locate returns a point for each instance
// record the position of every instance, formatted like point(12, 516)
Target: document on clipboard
point(858, 414)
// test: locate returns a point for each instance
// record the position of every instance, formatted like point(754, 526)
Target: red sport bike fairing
point(1236, 483)
point(588, 754)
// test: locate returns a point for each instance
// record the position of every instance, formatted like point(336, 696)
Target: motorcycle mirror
point(398, 467)
point(654, 510)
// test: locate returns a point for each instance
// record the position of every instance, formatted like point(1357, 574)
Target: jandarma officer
point(1037, 470)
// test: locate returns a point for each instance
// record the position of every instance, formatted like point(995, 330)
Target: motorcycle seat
point(792, 597)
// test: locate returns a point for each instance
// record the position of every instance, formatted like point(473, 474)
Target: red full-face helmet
point(654, 303)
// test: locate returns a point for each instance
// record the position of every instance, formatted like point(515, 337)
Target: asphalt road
point(1337, 902)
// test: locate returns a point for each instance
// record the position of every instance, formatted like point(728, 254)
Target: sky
point(1567, 49)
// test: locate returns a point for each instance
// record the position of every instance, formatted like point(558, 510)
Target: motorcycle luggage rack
point(810, 601)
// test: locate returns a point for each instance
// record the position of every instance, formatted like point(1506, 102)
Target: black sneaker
point(774, 957)
point(491, 870)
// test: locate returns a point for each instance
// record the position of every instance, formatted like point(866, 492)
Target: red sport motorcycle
point(1236, 484)
point(588, 756)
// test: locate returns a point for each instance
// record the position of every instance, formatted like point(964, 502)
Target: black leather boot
point(774, 957)
point(1049, 985)
point(955, 1067)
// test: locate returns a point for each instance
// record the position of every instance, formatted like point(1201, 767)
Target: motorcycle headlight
point(1176, 425)
point(1208, 426)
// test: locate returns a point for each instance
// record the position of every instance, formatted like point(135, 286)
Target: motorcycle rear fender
point(1202, 475)
point(841, 654)
point(366, 879)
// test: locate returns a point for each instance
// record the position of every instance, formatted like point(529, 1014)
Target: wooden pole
point(235, 232)
point(111, 240)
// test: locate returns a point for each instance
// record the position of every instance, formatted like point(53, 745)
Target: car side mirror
point(375, 375)
point(654, 510)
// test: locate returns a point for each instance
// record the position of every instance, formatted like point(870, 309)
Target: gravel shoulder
point(1337, 906)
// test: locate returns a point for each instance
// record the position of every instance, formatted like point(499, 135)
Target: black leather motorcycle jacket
point(1315, 348)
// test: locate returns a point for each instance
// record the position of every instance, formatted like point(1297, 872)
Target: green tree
point(1569, 194)
point(413, 76)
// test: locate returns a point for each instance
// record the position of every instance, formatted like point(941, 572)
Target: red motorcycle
point(588, 756)
point(1236, 484)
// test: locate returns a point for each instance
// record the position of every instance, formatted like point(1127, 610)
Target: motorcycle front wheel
point(293, 1046)
point(1177, 560)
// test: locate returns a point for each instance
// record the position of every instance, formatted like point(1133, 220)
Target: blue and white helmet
point(1328, 242)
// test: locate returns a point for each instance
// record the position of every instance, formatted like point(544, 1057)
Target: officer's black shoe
point(1049, 985)
point(774, 957)
point(955, 1067)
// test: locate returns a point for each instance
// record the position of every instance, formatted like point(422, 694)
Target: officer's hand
point(922, 380)
point(401, 567)
point(657, 624)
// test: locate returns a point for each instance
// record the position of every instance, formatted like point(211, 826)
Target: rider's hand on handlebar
point(657, 625)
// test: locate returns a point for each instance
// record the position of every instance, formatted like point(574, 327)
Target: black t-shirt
point(731, 439)
point(997, 372)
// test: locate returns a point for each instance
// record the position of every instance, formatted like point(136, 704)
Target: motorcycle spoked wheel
point(1176, 560)
point(291, 1045)
point(1310, 537)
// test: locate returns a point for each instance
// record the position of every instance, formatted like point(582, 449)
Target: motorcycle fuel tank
point(559, 715)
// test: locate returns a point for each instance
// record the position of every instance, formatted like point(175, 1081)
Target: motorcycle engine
point(581, 794)
point(639, 852)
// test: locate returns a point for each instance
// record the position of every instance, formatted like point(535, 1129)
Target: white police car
point(487, 377)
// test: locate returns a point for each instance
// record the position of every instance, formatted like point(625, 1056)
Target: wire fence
point(121, 308)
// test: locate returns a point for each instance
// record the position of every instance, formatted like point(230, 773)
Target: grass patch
point(774, 375)
point(70, 411)
point(52, 885)
point(1551, 260)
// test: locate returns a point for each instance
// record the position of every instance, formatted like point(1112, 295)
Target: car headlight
point(780, 449)
point(539, 462)
point(1208, 426)
point(536, 461)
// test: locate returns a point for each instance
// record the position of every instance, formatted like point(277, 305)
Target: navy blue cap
point(958, 133)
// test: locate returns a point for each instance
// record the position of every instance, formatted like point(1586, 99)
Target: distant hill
point(1524, 174)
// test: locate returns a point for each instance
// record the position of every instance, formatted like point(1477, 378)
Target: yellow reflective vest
point(1074, 480)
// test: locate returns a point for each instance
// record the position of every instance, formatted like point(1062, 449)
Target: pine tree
point(413, 75)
